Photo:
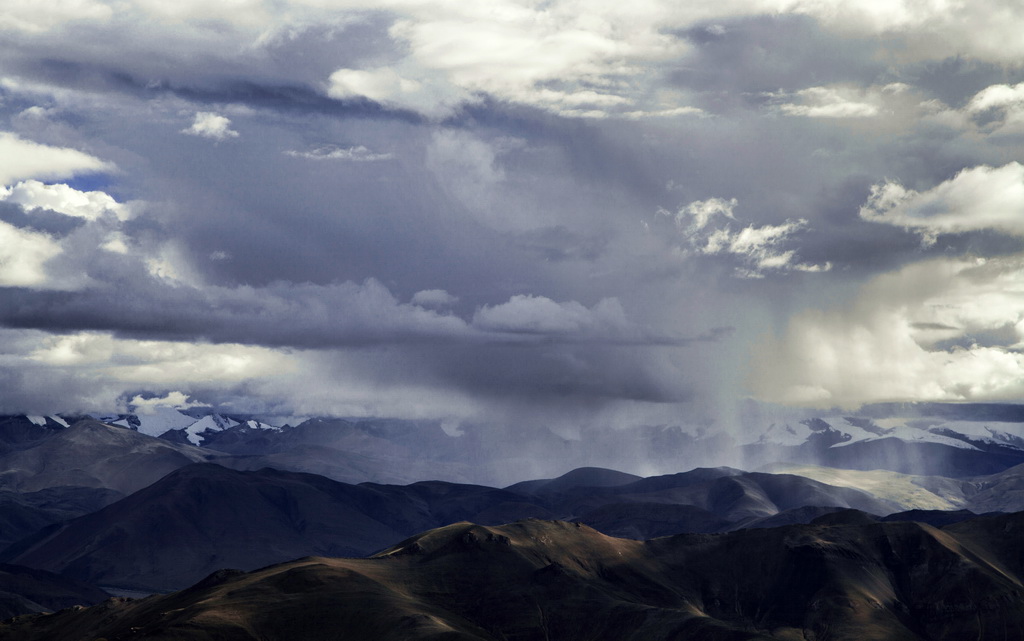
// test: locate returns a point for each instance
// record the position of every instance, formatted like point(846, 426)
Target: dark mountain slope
point(18, 432)
point(729, 494)
point(24, 590)
point(681, 479)
point(93, 454)
point(936, 518)
point(1000, 492)
point(580, 477)
point(643, 521)
point(22, 514)
point(439, 503)
point(204, 517)
point(536, 581)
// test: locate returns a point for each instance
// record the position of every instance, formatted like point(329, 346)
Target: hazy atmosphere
point(571, 215)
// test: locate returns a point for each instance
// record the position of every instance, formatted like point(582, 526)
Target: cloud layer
point(567, 213)
point(940, 331)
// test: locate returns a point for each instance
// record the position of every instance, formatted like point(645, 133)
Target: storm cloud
point(574, 214)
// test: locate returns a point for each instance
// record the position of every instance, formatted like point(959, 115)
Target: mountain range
point(203, 516)
point(91, 504)
point(401, 451)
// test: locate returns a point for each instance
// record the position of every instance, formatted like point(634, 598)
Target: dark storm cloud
point(602, 153)
point(858, 247)
point(314, 51)
point(305, 52)
point(558, 243)
point(285, 72)
point(285, 98)
point(741, 59)
point(296, 219)
point(309, 316)
point(213, 89)
point(362, 331)
point(42, 220)
point(955, 79)
point(272, 217)
point(295, 316)
point(559, 375)
point(31, 392)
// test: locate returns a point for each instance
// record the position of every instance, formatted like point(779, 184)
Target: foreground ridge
point(841, 577)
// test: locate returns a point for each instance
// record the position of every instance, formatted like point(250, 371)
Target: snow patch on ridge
point(257, 425)
point(41, 421)
point(209, 423)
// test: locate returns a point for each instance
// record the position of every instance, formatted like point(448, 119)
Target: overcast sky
point(570, 213)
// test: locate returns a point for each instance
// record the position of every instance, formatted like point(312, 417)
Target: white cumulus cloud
point(839, 101)
point(430, 94)
point(173, 400)
point(23, 256)
point(698, 214)
point(975, 199)
point(208, 124)
point(357, 153)
point(706, 227)
point(433, 298)
point(528, 314)
point(996, 110)
point(37, 259)
point(998, 97)
point(33, 194)
point(21, 159)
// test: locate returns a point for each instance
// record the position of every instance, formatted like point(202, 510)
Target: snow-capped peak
point(208, 423)
point(195, 425)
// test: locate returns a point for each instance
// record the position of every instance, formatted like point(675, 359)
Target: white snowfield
point(794, 433)
point(158, 421)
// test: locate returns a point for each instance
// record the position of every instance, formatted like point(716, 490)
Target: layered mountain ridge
point(97, 504)
point(203, 517)
point(401, 451)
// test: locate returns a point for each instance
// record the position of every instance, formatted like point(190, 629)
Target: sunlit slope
point(1000, 492)
point(908, 491)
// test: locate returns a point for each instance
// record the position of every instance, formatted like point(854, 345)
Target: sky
point(521, 213)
